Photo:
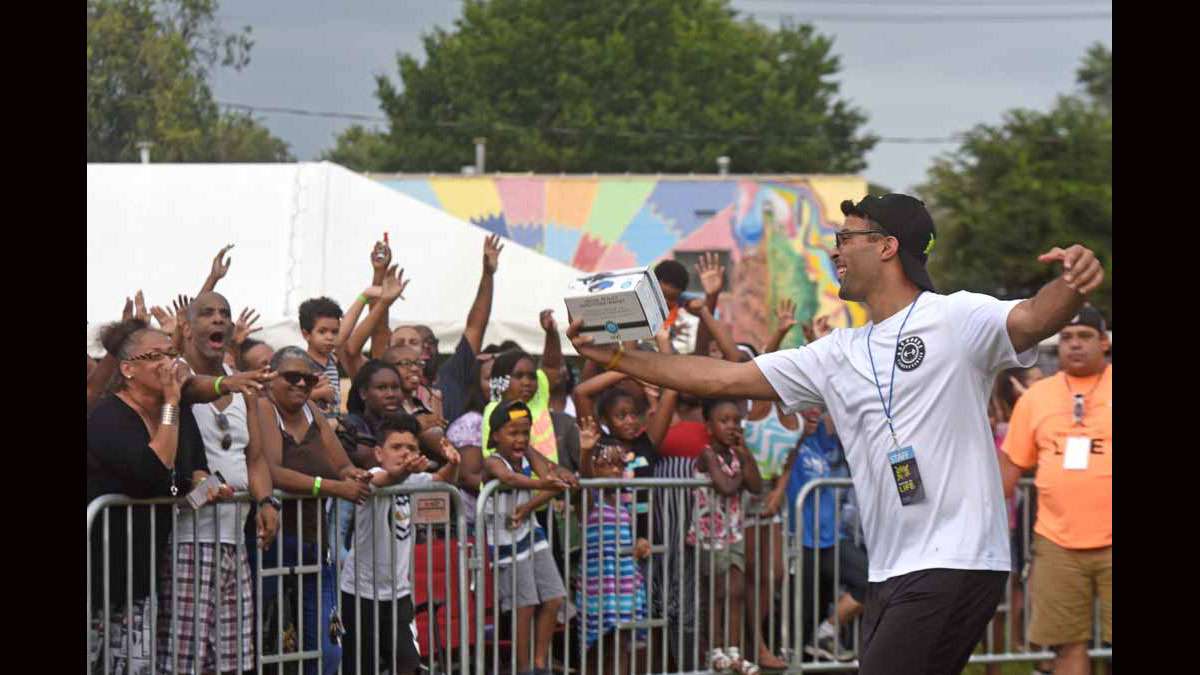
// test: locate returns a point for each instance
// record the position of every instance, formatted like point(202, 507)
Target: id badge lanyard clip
point(903, 460)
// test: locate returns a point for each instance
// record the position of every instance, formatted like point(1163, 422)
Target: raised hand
point(694, 306)
point(821, 326)
point(393, 285)
point(139, 307)
point(589, 434)
point(244, 327)
point(127, 312)
point(785, 315)
point(171, 376)
point(180, 305)
point(381, 256)
point(712, 273)
point(166, 320)
point(546, 318)
point(586, 346)
point(491, 253)
point(1082, 271)
point(449, 452)
point(220, 266)
point(662, 339)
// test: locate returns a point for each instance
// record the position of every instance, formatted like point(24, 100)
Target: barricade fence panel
point(378, 587)
point(622, 576)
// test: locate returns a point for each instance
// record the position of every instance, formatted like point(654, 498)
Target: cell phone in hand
point(199, 495)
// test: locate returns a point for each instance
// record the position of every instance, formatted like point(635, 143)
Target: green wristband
point(316, 486)
point(363, 298)
point(217, 385)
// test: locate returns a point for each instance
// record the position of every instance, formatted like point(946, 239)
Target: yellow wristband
point(217, 385)
point(612, 363)
point(316, 486)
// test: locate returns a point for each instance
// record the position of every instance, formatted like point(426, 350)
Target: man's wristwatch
point(273, 501)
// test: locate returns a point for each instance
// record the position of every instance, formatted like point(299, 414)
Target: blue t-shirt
point(817, 455)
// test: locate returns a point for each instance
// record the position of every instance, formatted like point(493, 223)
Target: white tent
point(301, 231)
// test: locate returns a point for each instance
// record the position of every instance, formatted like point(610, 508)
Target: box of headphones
point(618, 305)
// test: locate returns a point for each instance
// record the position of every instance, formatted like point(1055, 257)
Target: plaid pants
point(213, 615)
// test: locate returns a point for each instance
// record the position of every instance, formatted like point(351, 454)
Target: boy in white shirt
point(375, 575)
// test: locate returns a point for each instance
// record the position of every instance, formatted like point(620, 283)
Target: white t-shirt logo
point(910, 353)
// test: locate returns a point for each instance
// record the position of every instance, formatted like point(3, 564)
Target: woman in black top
point(140, 443)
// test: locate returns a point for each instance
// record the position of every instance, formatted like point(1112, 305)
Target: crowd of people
point(192, 402)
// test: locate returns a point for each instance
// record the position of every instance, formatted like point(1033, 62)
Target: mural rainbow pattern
point(777, 230)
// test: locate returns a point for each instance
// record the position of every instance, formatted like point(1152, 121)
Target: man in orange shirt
point(1063, 426)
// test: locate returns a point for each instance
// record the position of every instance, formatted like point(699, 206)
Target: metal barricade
point(1016, 645)
point(670, 628)
point(304, 563)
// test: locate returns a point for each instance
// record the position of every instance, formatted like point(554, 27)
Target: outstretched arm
point(481, 309)
point(1046, 313)
point(724, 340)
point(697, 375)
point(219, 269)
point(587, 391)
point(552, 358)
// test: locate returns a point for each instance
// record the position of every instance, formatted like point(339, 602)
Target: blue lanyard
point(887, 407)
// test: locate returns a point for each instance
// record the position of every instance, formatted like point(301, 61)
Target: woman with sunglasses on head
point(141, 443)
point(305, 458)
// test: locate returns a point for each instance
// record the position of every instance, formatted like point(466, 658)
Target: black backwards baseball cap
point(906, 219)
point(1090, 316)
point(504, 413)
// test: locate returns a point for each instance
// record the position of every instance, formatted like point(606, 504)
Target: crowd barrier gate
point(680, 594)
point(446, 637)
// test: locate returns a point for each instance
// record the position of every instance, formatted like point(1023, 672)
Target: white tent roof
point(301, 231)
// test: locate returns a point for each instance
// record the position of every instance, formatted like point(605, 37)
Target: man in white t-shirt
point(229, 428)
point(908, 393)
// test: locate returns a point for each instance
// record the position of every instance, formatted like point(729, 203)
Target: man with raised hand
point(908, 393)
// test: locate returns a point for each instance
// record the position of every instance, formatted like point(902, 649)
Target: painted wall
point(778, 230)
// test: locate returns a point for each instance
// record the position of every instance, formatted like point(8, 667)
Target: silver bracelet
point(170, 414)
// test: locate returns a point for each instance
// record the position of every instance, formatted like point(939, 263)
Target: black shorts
point(928, 621)
point(406, 657)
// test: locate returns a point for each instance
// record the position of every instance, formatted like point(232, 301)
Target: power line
point(563, 130)
point(933, 18)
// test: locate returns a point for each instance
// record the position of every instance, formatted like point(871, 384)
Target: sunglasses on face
point(844, 235)
point(223, 425)
point(306, 380)
point(154, 356)
point(411, 363)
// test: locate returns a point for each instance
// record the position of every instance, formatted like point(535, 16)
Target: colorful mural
point(778, 230)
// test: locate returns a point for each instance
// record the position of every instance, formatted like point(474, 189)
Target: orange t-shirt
point(1074, 506)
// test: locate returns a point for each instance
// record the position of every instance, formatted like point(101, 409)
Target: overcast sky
point(931, 74)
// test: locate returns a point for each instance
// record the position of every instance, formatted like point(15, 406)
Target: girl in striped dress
point(612, 590)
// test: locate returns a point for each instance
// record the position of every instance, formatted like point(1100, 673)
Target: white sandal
point(718, 661)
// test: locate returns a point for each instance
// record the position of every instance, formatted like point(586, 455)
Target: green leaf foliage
point(1015, 190)
point(148, 64)
point(614, 86)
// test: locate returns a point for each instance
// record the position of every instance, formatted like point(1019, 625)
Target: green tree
point(148, 64)
point(1012, 191)
point(614, 85)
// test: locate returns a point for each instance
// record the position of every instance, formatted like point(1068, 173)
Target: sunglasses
point(154, 356)
point(1078, 410)
point(223, 425)
point(411, 363)
point(307, 380)
point(842, 236)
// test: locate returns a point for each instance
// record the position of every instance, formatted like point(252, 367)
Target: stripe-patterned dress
point(615, 591)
